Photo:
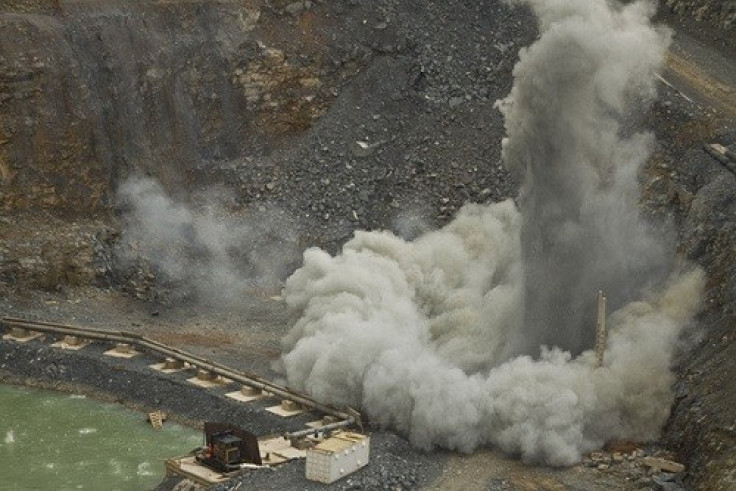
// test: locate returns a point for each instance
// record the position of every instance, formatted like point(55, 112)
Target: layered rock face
point(342, 113)
point(338, 114)
point(91, 91)
point(720, 14)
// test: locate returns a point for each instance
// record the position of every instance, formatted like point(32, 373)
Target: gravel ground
point(133, 381)
point(394, 463)
point(403, 133)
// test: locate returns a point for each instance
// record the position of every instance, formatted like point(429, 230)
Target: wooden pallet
point(156, 419)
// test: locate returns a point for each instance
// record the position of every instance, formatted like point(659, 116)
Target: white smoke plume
point(573, 90)
point(475, 334)
point(219, 254)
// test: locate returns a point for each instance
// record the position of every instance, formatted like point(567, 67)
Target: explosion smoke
point(220, 255)
point(433, 337)
point(581, 230)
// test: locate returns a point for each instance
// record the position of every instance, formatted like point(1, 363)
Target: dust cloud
point(218, 254)
point(574, 91)
point(480, 333)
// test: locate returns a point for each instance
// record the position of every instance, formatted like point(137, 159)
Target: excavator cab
point(227, 447)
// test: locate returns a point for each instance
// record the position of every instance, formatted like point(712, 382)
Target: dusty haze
point(207, 249)
point(480, 333)
point(575, 93)
point(443, 337)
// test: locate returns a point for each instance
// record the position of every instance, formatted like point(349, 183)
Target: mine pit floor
point(249, 340)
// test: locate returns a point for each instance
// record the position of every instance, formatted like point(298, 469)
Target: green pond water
point(56, 441)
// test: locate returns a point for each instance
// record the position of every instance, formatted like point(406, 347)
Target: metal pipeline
point(162, 349)
point(722, 155)
point(311, 431)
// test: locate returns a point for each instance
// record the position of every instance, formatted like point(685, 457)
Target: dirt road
point(702, 74)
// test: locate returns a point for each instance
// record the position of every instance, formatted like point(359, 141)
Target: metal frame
point(348, 416)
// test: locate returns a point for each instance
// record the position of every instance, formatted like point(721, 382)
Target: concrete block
point(164, 366)
point(248, 394)
point(21, 335)
point(663, 464)
point(337, 457)
point(208, 380)
point(173, 364)
point(122, 350)
point(70, 343)
point(286, 409)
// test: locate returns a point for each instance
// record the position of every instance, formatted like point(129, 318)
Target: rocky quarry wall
point(91, 92)
point(284, 105)
point(291, 104)
point(100, 89)
point(719, 14)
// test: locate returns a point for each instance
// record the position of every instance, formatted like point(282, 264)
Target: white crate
point(336, 457)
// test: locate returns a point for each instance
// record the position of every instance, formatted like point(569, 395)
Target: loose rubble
point(343, 115)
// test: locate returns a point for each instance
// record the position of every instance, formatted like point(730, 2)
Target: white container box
point(336, 457)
